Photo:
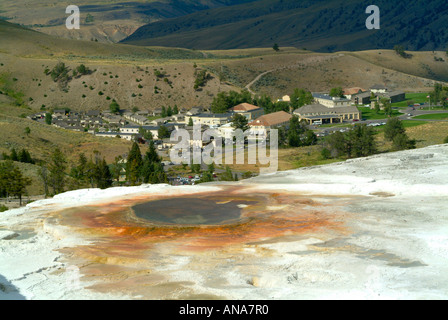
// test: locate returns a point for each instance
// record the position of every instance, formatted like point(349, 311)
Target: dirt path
point(307, 61)
point(258, 78)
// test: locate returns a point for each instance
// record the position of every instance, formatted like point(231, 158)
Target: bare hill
point(129, 73)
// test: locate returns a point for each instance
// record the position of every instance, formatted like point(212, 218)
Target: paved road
point(407, 114)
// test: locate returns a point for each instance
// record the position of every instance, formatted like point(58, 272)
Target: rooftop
point(271, 119)
point(354, 90)
point(244, 107)
point(319, 108)
point(328, 97)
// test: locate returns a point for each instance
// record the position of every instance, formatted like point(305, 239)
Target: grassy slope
point(26, 54)
point(43, 139)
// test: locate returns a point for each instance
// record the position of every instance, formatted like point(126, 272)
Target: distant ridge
point(320, 25)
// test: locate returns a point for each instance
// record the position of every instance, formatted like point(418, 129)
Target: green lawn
point(412, 123)
point(433, 116)
point(416, 97)
point(370, 114)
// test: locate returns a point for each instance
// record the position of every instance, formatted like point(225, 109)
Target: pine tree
point(134, 164)
point(19, 183)
point(12, 180)
point(14, 156)
point(104, 175)
point(56, 170)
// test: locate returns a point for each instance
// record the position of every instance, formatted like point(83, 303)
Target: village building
point(350, 92)
point(93, 113)
point(226, 131)
point(362, 98)
point(329, 101)
point(157, 112)
point(210, 119)
point(263, 124)
point(126, 136)
point(320, 114)
point(247, 110)
point(393, 96)
point(378, 88)
point(195, 111)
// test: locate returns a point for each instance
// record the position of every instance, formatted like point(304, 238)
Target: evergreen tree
point(82, 167)
point(117, 168)
point(300, 97)
point(104, 176)
point(190, 122)
point(56, 168)
point(337, 92)
point(309, 138)
point(239, 122)
point(43, 174)
point(169, 111)
point(163, 132)
point(336, 144)
point(175, 109)
point(14, 156)
point(12, 180)
point(361, 141)
point(395, 132)
point(393, 128)
point(152, 169)
point(387, 107)
point(134, 164)
point(48, 118)
point(265, 102)
point(114, 107)
point(25, 157)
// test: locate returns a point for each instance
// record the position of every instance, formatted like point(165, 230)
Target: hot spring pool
point(191, 211)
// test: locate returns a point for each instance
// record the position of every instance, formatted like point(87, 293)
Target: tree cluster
point(168, 112)
point(439, 95)
point(399, 49)
point(396, 133)
point(21, 156)
point(201, 79)
point(226, 100)
point(359, 141)
point(12, 180)
point(144, 169)
point(297, 135)
point(95, 172)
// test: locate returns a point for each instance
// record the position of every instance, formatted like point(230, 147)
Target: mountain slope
point(104, 20)
point(318, 25)
point(128, 73)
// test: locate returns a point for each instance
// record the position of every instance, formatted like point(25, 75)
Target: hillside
point(103, 20)
point(325, 26)
point(128, 73)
